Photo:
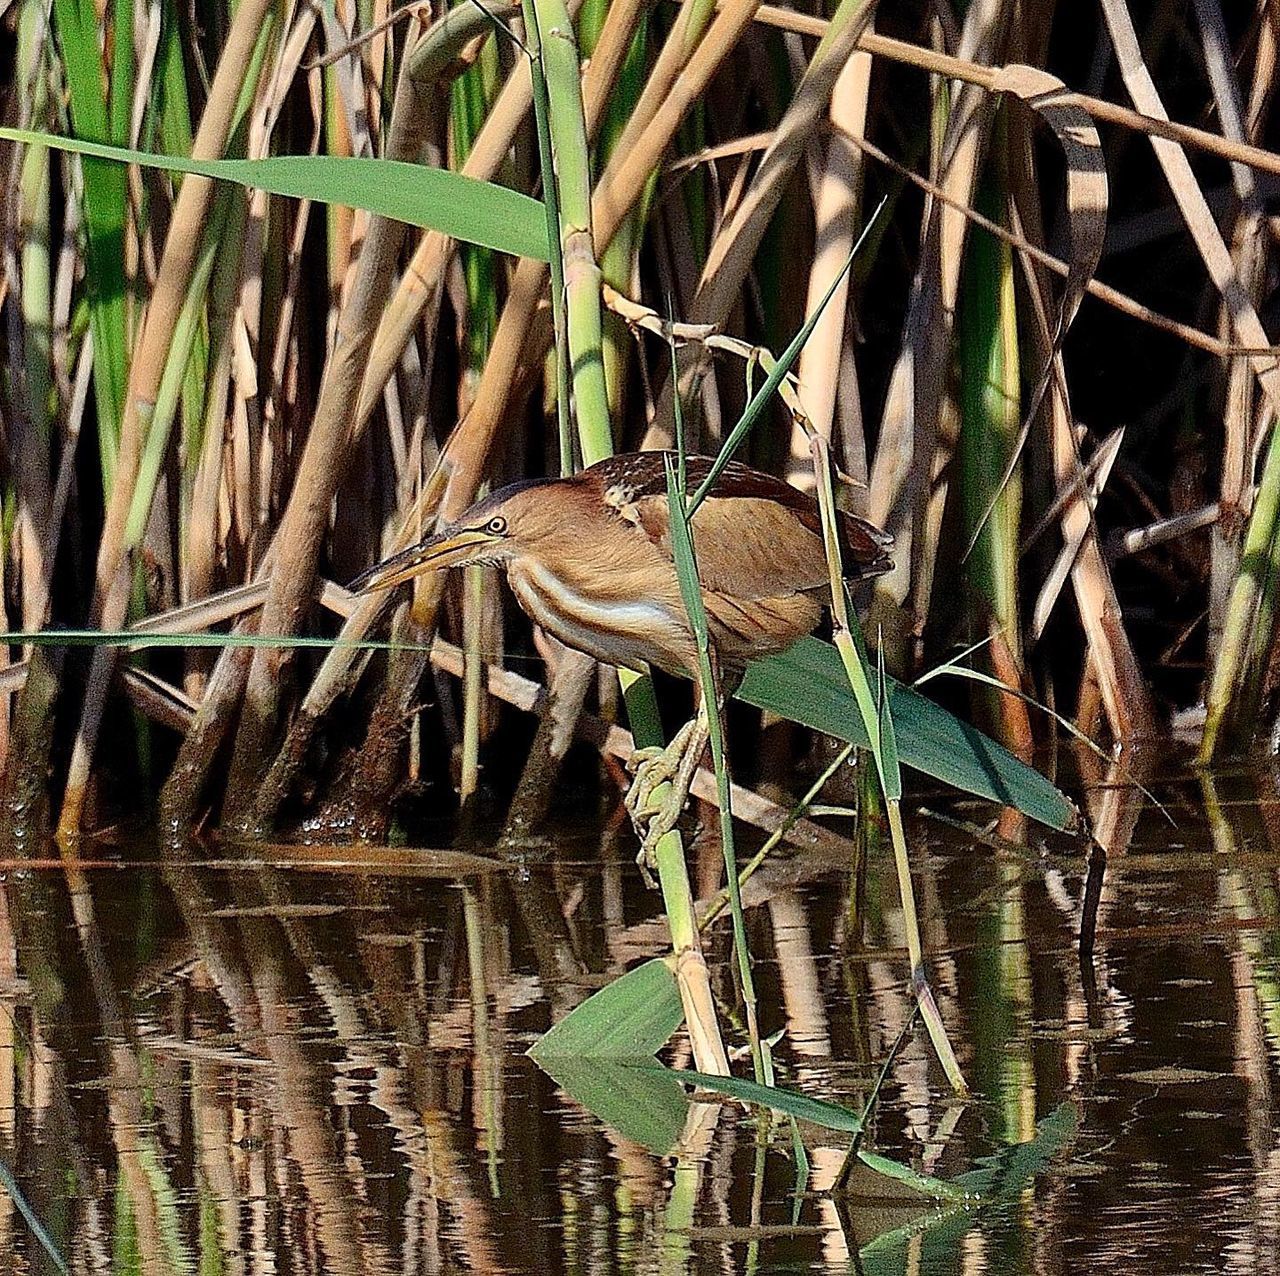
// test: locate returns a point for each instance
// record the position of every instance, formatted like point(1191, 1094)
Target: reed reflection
point(310, 1059)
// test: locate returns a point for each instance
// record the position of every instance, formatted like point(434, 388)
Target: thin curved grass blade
point(38, 1230)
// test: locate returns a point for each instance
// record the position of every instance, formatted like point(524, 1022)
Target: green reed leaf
point(808, 685)
point(436, 199)
point(631, 1018)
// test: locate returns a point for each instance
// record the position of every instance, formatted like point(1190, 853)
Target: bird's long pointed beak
point(445, 549)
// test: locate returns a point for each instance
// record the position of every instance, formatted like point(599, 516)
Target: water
point(298, 1060)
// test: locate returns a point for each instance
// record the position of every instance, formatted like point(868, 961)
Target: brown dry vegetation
point(1049, 374)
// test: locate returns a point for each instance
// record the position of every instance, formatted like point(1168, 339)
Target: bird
point(589, 559)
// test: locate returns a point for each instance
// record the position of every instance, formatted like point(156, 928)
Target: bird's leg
point(675, 764)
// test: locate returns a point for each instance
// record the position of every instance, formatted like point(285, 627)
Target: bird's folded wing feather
point(755, 536)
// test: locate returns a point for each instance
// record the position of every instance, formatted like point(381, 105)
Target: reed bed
point(1049, 374)
point(285, 285)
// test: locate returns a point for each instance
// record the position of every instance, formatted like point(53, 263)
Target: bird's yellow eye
point(498, 526)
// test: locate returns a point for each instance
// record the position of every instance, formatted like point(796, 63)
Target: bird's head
point(493, 531)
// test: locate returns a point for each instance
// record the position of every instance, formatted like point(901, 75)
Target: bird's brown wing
point(756, 536)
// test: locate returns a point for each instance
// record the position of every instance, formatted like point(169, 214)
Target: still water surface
point(312, 1059)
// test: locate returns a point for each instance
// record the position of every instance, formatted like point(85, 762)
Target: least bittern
point(589, 559)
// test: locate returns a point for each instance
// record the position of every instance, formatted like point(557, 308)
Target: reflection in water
point(312, 1059)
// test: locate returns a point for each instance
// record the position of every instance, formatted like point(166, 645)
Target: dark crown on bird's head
point(519, 517)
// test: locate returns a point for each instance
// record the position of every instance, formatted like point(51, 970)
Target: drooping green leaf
point(597, 1053)
point(474, 211)
point(631, 1018)
point(924, 1185)
point(808, 685)
point(645, 1105)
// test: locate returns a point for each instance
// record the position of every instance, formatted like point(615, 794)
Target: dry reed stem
point(960, 68)
point(1249, 252)
point(27, 261)
point(1104, 293)
point(638, 152)
point(1231, 655)
point(908, 453)
point(253, 468)
point(1120, 680)
point(421, 9)
point(734, 248)
point(324, 458)
point(112, 577)
point(1087, 488)
point(835, 212)
point(423, 277)
point(1195, 208)
point(964, 145)
point(201, 533)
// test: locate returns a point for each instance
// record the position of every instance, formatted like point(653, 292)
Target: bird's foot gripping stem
point(655, 814)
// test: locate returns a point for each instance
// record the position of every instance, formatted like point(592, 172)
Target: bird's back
point(755, 535)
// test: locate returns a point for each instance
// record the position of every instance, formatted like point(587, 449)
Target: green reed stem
point(618, 258)
point(687, 570)
point(157, 418)
point(878, 722)
point(104, 215)
point(165, 409)
point(571, 154)
point(991, 408)
point(721, 900)
point(1240, 636)
point(551, 202)
point(562, 140)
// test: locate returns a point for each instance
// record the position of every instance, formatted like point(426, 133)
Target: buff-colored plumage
point(589, 559)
